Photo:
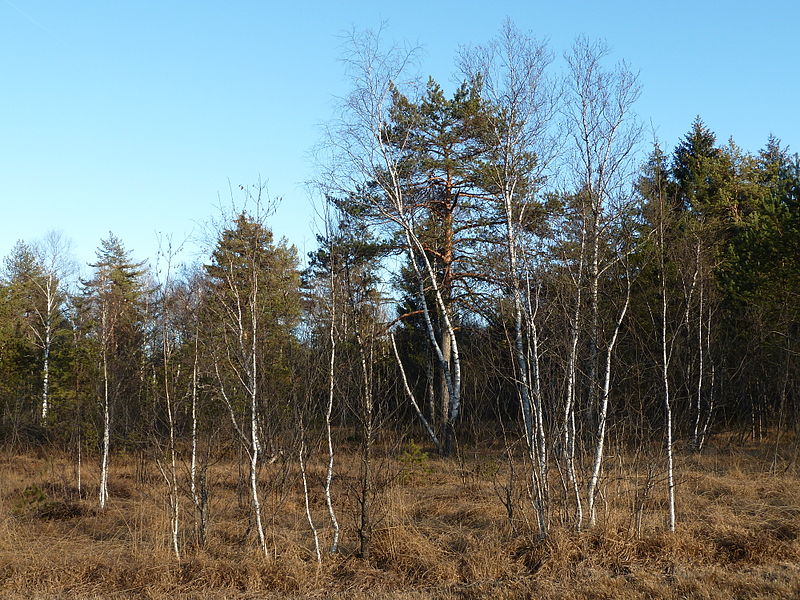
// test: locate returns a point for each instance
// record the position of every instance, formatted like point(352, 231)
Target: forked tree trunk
point(425, 423)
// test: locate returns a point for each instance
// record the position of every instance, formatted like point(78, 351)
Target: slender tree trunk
point(450, 365)
point(593, 369)
point(193, 460)
point(172, 480)
point(711, 383)
point(540, 435)
point(603, 416)
point(428, 428)
point(534, 438)
point(328, 414)
point(569, 401)
point(198, 492)
point(665, 380)
point(80, 465)
point(700, 373)
point(450, 408)
point(106, 433)
point(255, 442)
point(46, 368)
point(301, 455)
point(433, 414)
point(367, 485)
point(444, 396)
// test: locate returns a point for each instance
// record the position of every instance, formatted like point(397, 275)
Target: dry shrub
point(735, 546)
point(60, 510)
point(784, 531)
point(484, 558)
point(405, 550)
point(473, 517)
point(556, 554)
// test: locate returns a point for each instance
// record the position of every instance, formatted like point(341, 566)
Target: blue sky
point(135, 116)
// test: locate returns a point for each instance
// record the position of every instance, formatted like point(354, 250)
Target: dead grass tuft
point(407, 551)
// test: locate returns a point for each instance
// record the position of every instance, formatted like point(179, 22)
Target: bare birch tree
point(254, 284)
point(166, 301)
point(237, 272)
point(523, 144)
point(605, 136)
point(53, 253)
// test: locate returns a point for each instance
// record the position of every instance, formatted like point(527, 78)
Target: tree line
point(497, 267)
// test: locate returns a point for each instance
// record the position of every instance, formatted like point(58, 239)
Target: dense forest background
point(513, 267)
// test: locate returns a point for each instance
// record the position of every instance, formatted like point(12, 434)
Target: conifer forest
point(535, 353)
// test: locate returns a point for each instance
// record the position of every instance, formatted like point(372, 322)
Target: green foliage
point(113, 313)
point(20, 358)
point(757, 263)
point(246, 265)
point(415, 462)
point(414, 455)
point(28, 500)
point(730, 226)
point(255, 306)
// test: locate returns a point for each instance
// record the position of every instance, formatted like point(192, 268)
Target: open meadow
point(443, 529)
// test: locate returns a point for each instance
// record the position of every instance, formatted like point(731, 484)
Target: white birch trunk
point(309, 518)
point(539, 450)
point(46, 367)
point(451, 368)
point(365, 500)
point(534, 438)
point(193, 460)
point(255, 443)
point(328, 414)
point(247, 375)
point(665, 381)
point(425, 423)
point(172, 479)
point(569, 402)
point(711, 387)
point(106, 430)
point(700, 373)
point(603, 417)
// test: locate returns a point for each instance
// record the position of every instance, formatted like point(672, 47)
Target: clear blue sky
point(134, 116)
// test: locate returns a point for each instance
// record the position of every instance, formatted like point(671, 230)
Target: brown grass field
point(441, 532)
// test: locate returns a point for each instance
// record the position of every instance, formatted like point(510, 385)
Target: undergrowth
point(441, 532)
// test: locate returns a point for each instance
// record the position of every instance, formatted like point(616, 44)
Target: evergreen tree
point(251, 274)
point(114, 302)
point(255, 300)
point(697, 169)
point(19, 359)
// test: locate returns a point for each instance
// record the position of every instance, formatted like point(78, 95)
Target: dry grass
point(442, 533)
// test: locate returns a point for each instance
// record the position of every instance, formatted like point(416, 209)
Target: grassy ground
point(442, 532)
